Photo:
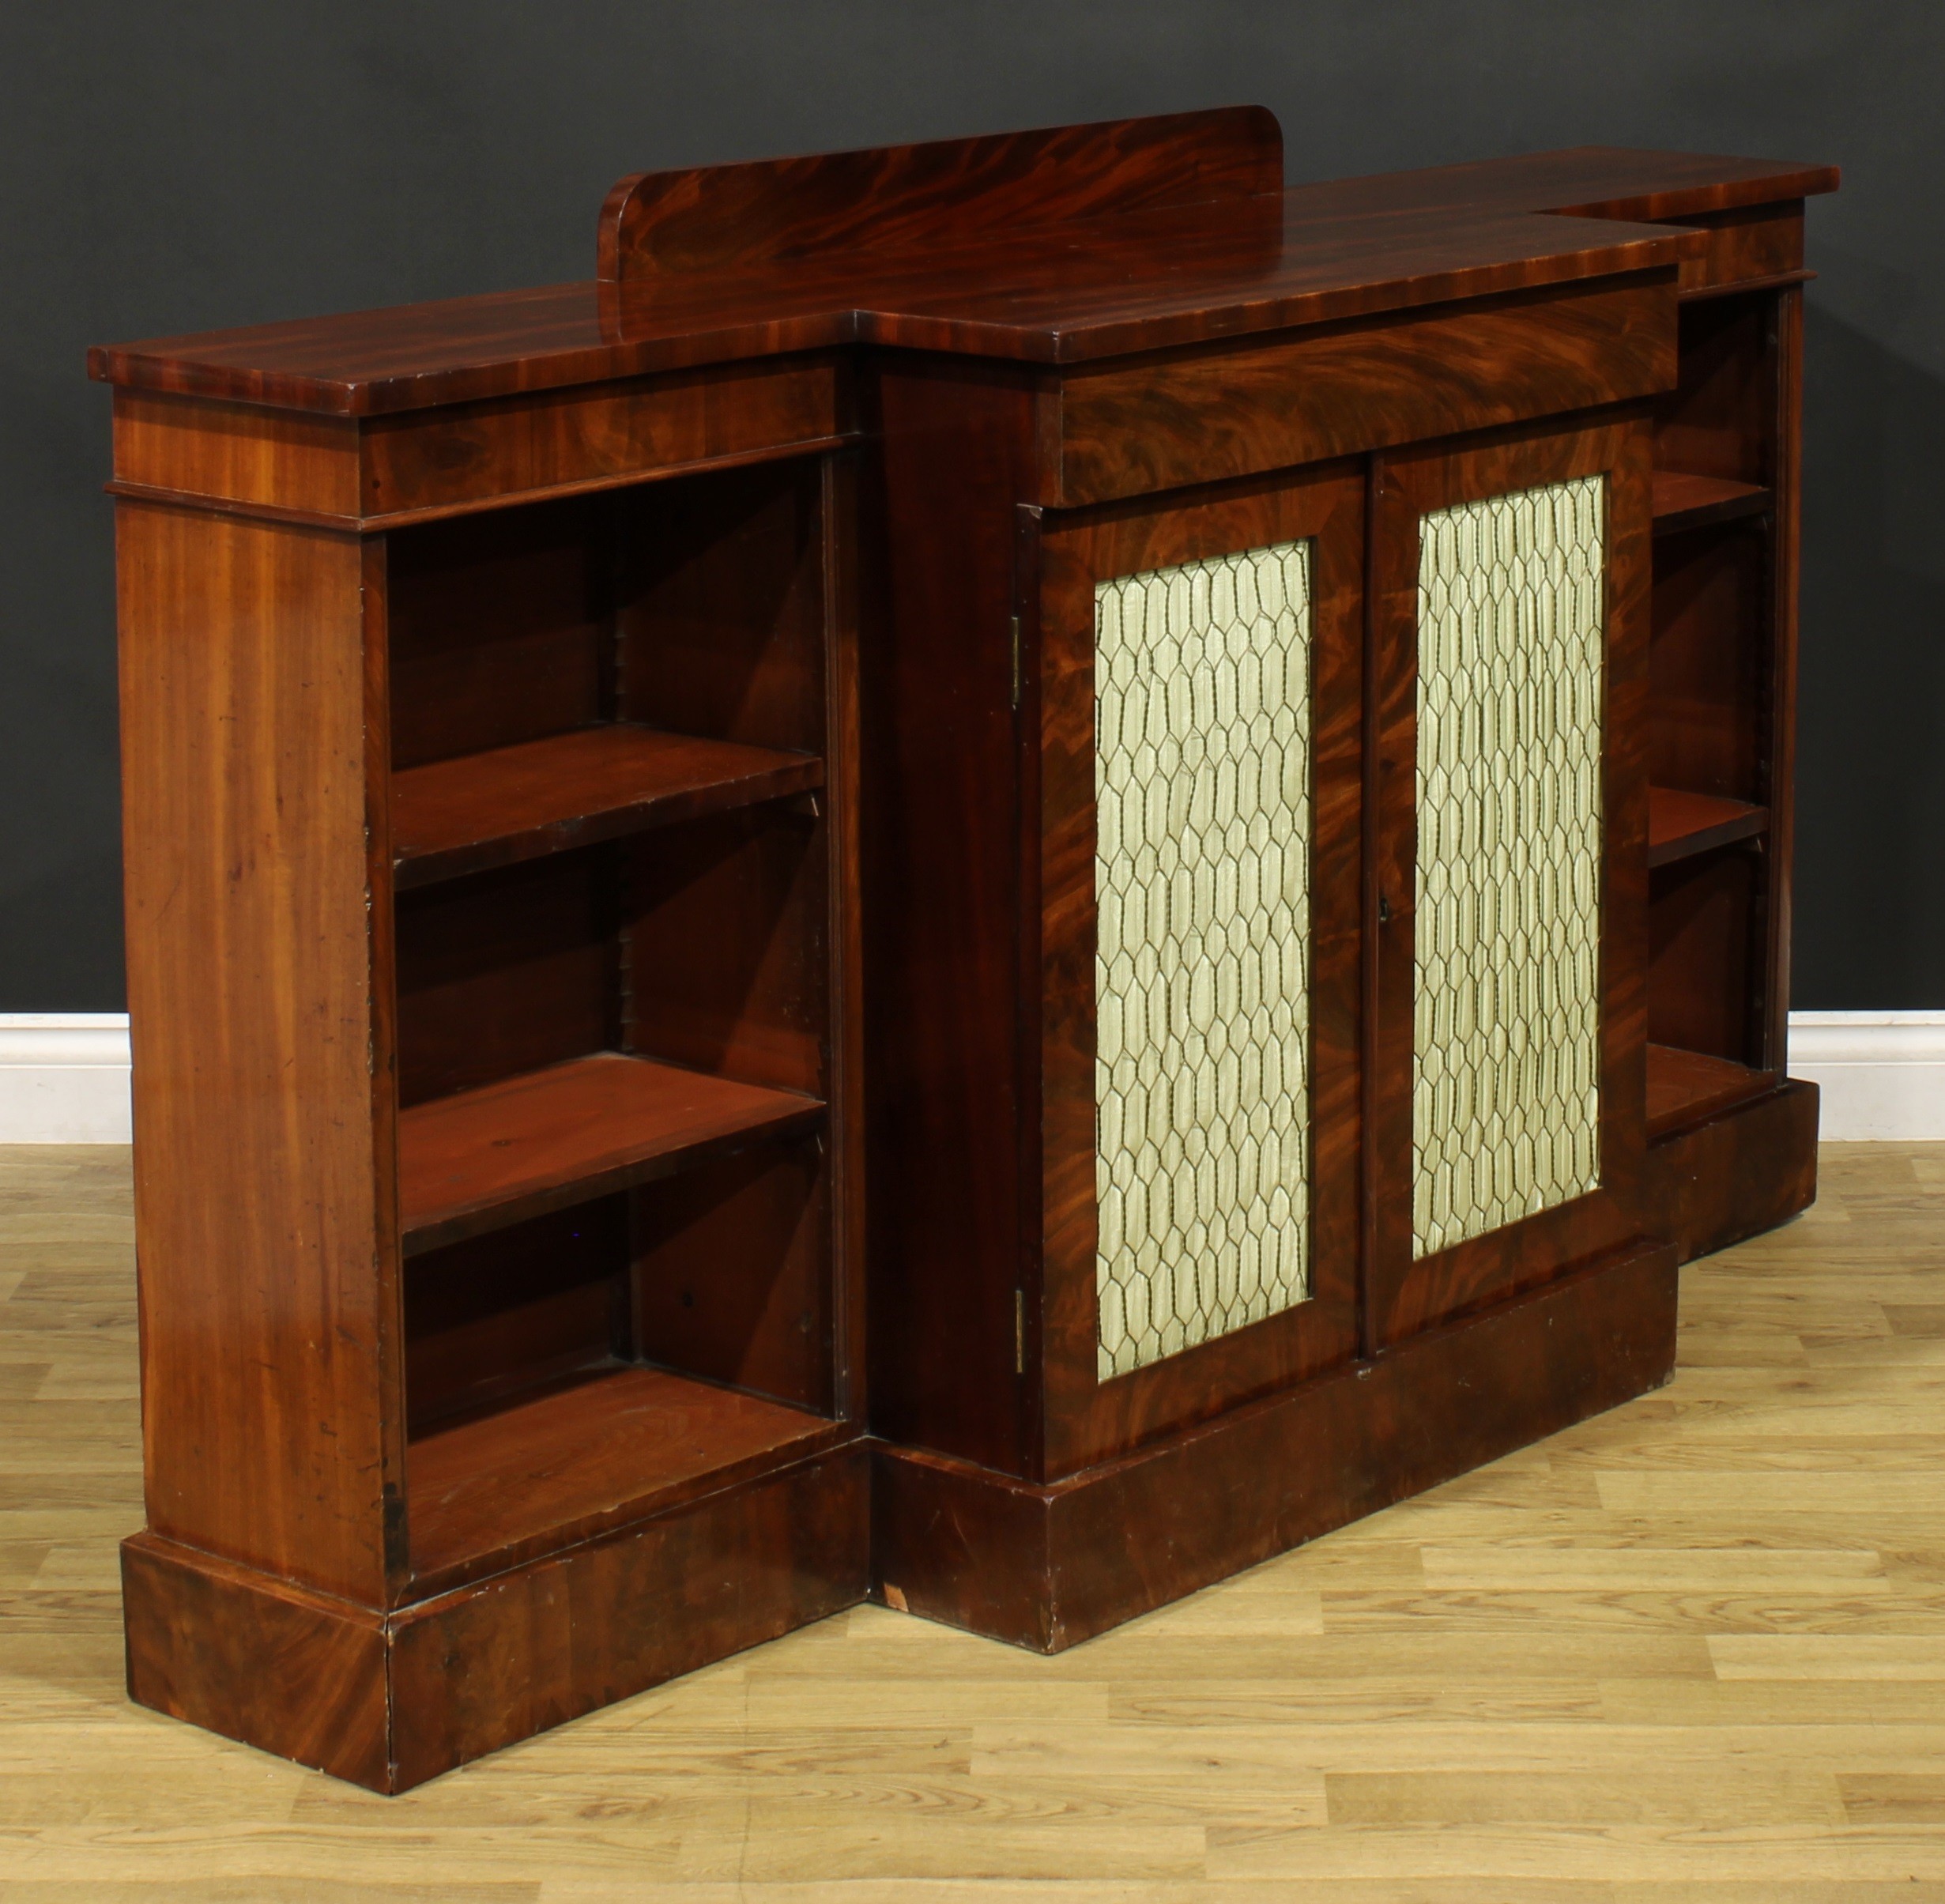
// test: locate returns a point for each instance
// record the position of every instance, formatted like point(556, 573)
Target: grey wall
point(211, 162)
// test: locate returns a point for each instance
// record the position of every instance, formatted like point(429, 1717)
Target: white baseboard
point(64, 1076)
point(1881, 1073)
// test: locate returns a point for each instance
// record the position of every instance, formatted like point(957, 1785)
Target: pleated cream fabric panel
point(1505, 1087)
point(1202, 778)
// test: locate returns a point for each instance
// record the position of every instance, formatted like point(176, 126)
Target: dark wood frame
point(1084, 1421)
point(1406, 1294)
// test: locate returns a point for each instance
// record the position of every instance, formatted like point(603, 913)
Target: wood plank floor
point(1693, 1650)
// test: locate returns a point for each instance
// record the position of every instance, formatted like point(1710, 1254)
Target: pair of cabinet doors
point(1341, 922)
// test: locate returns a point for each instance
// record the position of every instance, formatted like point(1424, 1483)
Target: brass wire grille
point(1202, 781)
point(1506, 1063)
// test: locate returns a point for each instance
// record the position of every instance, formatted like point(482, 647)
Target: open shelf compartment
point(1682, 823)
point(1718, 747)
point(483, 1159)
point(1683, 501)
point(617, 963)
point(467, 815)
point(571, 1461)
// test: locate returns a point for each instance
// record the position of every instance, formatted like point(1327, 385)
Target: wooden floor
point(1693, 1650)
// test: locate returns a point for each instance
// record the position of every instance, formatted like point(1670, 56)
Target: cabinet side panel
point(1780, 781)
point(263, 1252)
point(940, 883)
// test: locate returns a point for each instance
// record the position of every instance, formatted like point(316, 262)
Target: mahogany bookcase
point(1020, 869)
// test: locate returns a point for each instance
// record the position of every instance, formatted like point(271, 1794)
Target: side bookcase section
point(525, 1159)
point(1729, 1153)
point(618, 957)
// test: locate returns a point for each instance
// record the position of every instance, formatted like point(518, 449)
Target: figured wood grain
point(657, 1599)
point(540, 1474)
point(371, 1699)
point(1088, 287)
point(948, 192)
point(554, 442)
point(1159, 424)
point(1150, 281)
point(1070, 294)
point(1682, 823)
point(1048, 1567)
point(513, 1149)
point(248, 730)
point(483, 810)
point(1748, 242)
point(238, 451)
point(252, 1657)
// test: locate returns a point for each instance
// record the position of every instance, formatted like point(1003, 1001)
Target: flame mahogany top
point(1051, 247)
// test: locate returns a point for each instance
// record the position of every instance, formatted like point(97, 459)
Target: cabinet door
point(1197, 671)
point(1510, 605)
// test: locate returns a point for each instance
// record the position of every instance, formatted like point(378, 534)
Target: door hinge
point(1019, 1332)
point(1015, 626)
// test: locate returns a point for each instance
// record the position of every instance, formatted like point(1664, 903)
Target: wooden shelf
point(1681, 501)
point(515, 803)
point(1681, 824)
point(1685, 1087)
point(574, 1461)
point(480, 1159)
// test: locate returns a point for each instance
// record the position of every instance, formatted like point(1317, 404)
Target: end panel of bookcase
point(253, 780)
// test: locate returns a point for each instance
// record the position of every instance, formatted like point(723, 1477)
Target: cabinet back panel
point(502, 628)
point(1706, 697)
point(490, 1316)
point(726, 947)
point(1721, 419)
point(503, 973)
point(723, 605)
point(1702, 921)
point(729, 1273)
